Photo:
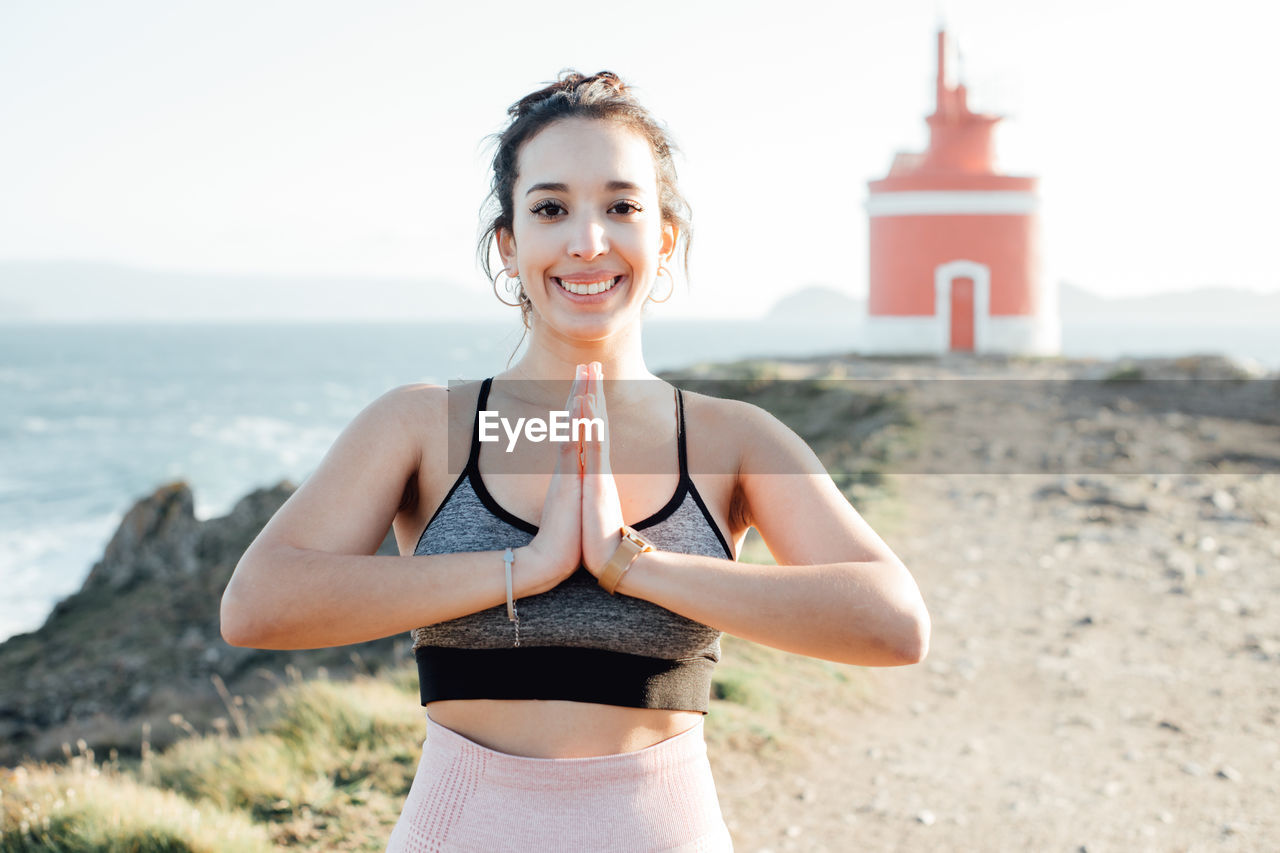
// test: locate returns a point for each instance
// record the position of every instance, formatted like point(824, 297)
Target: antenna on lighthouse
point(945, 80)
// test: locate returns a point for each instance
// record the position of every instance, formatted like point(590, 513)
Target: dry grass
point(83, 805)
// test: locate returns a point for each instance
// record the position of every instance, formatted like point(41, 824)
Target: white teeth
point(586, 289)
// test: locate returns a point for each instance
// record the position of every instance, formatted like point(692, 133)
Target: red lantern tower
point(954, 245)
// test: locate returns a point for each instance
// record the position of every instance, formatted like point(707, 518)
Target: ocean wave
point(36, 424)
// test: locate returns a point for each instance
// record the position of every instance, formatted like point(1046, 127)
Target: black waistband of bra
point(564, 672)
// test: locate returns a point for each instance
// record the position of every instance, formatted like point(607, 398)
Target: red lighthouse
point(954, 248)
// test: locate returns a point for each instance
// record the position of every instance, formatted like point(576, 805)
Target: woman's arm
point(839, 592)
point(310, 579)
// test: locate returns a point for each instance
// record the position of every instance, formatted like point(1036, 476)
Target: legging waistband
point(676, 753)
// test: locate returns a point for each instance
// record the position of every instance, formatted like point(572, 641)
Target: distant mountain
point(1205, 304)
point(79, 291)
point(818, 304)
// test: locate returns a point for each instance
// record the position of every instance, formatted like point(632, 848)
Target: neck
point(553, 358)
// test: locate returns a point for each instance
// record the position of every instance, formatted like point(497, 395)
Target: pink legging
point(467, 797)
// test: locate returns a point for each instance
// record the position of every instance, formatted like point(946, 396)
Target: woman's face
point(586, 213)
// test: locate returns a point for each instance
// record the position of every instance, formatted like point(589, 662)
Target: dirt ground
point(1102, 673)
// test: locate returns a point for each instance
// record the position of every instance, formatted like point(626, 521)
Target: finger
point(579, 386)
point(596, 450)
point(580, 412)
point(600, 447)
point(598, 389)
point(569, 460)
point(602, 412)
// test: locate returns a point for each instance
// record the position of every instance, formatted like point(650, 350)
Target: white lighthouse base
point(888, 335)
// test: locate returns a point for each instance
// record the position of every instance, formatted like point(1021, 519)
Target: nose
point(588, 239)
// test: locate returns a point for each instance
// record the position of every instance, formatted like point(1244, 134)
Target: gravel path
point(1103, 674)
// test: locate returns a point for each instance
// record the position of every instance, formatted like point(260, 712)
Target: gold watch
point(631, 546)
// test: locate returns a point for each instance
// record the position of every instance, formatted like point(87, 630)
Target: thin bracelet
point(508, 557)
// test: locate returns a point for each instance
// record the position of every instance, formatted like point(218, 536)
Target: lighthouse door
point(962, 314)
point(962, 300)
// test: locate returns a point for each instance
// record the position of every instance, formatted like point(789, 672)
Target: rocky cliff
point(141, 639)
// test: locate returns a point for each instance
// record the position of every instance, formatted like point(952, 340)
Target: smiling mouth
point(588, 288)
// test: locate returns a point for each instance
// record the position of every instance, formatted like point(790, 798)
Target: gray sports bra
point(577, 642)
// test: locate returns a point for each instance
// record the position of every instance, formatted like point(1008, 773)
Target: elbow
point(914, 628)
point(231, 623)
point(240, 622)
point(247, 617)
point(912, 642)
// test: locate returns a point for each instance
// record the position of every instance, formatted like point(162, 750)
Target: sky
point(341, 139)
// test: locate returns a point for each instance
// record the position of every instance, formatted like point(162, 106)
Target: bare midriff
point(553, 728)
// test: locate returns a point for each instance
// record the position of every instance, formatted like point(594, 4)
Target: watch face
point(639, 540)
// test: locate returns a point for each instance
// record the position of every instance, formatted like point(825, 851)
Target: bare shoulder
point(754, 436)
point(426, 415)
point(413, 403)
point(425, 410)
point(715, 422)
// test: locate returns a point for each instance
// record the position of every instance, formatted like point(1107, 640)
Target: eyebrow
point(612, 186)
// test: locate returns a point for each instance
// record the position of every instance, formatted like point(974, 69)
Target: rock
point(1229, 773)
point(1180, 566)
point(144, 629)
point(926, 817)
point(156, 541)
point(1223, 500)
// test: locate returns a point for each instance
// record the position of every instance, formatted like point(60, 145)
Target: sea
point(94, 417)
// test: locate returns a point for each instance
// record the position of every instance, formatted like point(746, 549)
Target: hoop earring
point(663, 271)
point(516, 279)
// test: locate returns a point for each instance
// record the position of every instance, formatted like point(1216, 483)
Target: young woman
point(566, 604)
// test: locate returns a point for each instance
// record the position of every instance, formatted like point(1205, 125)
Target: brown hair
point(602, 96)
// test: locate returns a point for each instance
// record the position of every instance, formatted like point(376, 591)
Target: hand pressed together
point(582, 516)
point(601, 508)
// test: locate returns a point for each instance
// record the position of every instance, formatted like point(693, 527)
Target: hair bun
point(570, 84)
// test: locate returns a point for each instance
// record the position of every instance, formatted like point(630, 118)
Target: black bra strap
point(684, 453)
point(473, 461)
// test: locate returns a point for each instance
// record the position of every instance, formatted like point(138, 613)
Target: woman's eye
point(627, 207)
point(547, 209)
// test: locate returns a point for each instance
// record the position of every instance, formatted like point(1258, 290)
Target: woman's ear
point(670, 236)
point(507, 250)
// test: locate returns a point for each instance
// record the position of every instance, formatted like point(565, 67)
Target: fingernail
point(598, 368)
